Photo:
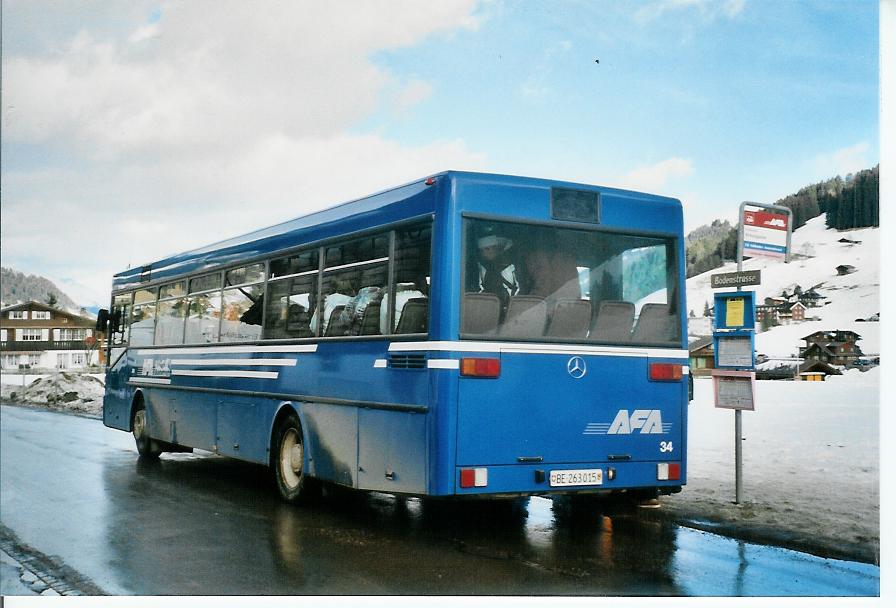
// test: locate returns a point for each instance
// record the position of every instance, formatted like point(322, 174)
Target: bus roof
point(416, 198)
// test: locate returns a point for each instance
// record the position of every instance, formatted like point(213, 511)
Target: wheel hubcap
point(139, 424)
point(292, 456)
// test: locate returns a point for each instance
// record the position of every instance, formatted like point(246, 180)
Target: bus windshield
point(548, 283)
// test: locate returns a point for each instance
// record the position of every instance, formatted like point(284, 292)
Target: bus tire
point(145, 446)
point(288, 458)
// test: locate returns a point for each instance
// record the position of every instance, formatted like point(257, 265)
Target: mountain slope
point(816, 255)
point(16, 286)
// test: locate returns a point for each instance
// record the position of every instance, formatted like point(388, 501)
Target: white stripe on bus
point(223, 373)
point(138, 380)
point(380, 363)
point(250, 362)
point(199, 350)
point(545, 349)
point(443, 364)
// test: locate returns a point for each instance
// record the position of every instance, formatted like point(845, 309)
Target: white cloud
point(653, 177)
point(145, 32)
point(708, 10)
point(202, 77)
point(204, 123)
point(842, 162)
point(412, 94)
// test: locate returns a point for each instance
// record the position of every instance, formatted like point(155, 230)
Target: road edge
point(49, 569)
point(776, 537)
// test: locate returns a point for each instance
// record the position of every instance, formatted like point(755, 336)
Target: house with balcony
point(42, 337)
point(837, 347)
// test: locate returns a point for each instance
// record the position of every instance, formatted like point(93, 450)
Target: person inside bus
point(253, 314)
point(353, 313)
point(341, 296)
point(550, 272)
point(496, 271)
point(404, 292)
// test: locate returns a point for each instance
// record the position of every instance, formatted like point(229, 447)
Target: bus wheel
point(288, 458)
point(141, 436)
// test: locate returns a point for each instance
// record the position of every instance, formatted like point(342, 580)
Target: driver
point(497, 273)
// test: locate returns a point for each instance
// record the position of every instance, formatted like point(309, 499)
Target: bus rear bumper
point(579, 477)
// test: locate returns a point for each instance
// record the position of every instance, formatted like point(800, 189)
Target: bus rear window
point(545, 283)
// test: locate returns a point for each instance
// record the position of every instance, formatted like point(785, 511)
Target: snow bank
point(811, 466)
point(80, 393)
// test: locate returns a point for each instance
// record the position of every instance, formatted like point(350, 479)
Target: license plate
point(577, 477)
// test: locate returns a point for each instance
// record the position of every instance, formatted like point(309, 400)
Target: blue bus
point(466, 334)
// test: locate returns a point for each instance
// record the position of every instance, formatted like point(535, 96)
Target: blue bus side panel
point(197, 418)
point(443, 432)
point(392, 451)
point(159, 415)
point(243, 428)
point(331, 434)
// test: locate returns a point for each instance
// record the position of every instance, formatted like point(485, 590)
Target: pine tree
point(52, 299)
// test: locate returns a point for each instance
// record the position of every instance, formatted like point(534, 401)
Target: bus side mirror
point(102, 317)
point(115, 321)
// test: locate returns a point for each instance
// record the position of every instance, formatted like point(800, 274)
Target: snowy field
point(811, 465)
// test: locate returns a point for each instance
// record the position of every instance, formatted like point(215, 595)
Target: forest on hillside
point(18, 287)
point(850, 202)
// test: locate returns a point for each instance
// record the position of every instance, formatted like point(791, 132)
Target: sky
point(134, 130)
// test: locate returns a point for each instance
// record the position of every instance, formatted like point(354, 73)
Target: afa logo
point(645, 422)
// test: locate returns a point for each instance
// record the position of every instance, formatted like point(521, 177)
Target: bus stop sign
point(766, 234)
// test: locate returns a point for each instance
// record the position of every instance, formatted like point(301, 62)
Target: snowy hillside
point(816, 255)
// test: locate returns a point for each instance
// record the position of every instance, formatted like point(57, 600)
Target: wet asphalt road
point(200, 524)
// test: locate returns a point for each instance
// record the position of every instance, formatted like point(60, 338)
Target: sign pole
point(738, 422)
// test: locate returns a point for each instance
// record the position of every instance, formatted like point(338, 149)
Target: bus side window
point(170, 321)
point(242, 305)
point(291, 295)
point(203, 309)
point(143, 317)
point(412, 268)
point(203, 318)
point(355, 277)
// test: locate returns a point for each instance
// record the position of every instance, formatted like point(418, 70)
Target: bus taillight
point(473, 478)
point(480, 368)
point(665, 372)
point(668, 471)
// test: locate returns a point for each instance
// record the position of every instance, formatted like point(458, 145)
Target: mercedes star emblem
point(576, 367)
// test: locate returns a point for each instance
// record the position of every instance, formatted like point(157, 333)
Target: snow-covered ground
point(72, 392)
point(816, 255)
point(811, 466)
point(811, 449)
